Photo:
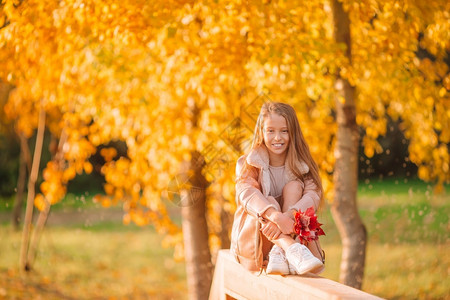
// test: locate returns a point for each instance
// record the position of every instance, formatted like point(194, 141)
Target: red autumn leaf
point(313, 223)
point(306, 225)
point(310, 211)
point(320, 231)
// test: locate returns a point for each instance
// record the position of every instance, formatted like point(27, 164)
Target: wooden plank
point(232, 280)
point(217, 291)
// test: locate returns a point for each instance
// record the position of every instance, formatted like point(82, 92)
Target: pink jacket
point(252, 191)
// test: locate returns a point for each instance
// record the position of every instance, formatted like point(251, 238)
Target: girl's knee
point(293, 187)
point(292, 192)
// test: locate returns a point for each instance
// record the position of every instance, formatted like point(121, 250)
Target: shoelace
point(298, 251)
point(277, 255)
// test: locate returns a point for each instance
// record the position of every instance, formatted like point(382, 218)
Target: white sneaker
point(277, 262)
point(302, 260)
point(292, 270)
point(316, 271)
point(319, 270)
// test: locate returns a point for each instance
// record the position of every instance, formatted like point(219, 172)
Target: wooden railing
point(232, 281)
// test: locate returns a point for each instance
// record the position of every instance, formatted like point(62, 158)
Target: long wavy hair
point(298, 149)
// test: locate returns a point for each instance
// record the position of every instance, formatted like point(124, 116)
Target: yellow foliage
point(87, 167)
point(97, 198)
point(138, 217)
point(109, 188)
point(170, 78)
point(108, 153)
point(105, 202)
point(40, 202)
point(126, 219)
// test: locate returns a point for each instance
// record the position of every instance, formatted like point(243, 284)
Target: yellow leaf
point(88, 167)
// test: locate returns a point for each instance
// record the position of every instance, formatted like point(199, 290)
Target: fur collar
point(259, 158)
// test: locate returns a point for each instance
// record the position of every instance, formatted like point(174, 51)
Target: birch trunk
point(43, 215)
point(31, 192)
point(195, 233)
point(345, 177)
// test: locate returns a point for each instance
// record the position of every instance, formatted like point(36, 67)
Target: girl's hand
point(284, 222)
point(270, 230)
point(291, 214)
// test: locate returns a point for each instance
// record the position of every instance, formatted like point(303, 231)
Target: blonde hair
point(298, 149)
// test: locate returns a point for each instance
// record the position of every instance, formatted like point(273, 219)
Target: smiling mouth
point(278, 145)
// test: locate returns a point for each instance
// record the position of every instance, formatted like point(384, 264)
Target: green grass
point(399, 191)
point(103, 262)
point(70, 202)
point(399, 271)
point(409, 237)
point(408, 228)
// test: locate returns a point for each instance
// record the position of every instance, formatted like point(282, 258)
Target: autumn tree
point(345, 176)
point(390, 84)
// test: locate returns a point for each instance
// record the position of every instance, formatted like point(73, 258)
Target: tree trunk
point(25, 164)
point(195, 232)
point(58, 156)
point(226, 220)
point(5, 90)
point(31, 191)
point(40, 223)
point(345, 177)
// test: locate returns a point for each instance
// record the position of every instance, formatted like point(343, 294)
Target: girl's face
point(276, 134)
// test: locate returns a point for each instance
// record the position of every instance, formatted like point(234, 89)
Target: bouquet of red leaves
point(306, 226)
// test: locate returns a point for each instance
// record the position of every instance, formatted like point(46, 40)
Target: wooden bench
point(232, 281)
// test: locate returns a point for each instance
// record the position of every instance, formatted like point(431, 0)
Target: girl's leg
point(301, 260)
point(277, 259)
point(292, 193)
point(284, 241)
point(267, 244)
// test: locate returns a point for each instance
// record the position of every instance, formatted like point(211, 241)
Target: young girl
point(275, 179)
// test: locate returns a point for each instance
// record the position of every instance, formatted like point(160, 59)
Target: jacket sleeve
point(248, 191)
point(311, 196)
